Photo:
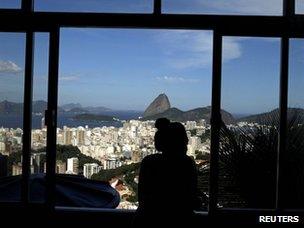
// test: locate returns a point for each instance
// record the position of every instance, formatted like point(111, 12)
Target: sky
point(125, 69)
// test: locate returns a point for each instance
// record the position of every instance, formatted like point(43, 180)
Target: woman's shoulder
point(152, 158)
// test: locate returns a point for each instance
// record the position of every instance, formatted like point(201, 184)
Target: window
point(11, 111)
point(229, 7)
point(171, 56)
point(101, 6)
point(114, 83)
point(10, 4)
point(292, 167)
point(39, 105)
point(249, 138)
point(299, 7)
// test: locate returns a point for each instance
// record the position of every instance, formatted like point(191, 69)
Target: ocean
point(16, 121)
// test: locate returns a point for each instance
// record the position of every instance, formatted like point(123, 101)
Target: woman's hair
point(171, 137)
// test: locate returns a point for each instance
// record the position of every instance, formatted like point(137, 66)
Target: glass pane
point(237, 7)
point(248, 137)
point(293, 166)
point(12, 52)
point(113, 84)
point(10, 4)
point(102, 6)
point(299, 7)
point(39, 130)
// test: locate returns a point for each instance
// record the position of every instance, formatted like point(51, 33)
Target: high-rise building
point(80, 136)
point(67, 137)
point(90, 168)
point(8, 147)
point(17, 169)
point(72, 167)
point(61, 167)
point(111, 163)
point(2, 147)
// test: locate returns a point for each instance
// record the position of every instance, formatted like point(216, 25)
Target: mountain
point(205, 113)
point(159, 105)
point(175, 114)
point(171, 113)
point(70, 106)
point(94, 117)
point(273, 116)
point(39, 106)
point(97, 110)
point(7, 107)
point(76, 108)
point(75, 111)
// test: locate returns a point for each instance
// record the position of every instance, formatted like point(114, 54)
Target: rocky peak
point(159, 105)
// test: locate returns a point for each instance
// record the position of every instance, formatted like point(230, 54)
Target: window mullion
point(215, 120)
point(51, 117)
point(27, 116)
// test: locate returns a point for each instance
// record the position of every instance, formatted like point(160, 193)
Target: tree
point(201, 156)
point(248, 164)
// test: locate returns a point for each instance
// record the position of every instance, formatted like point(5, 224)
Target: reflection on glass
point(102, 6)
point(12, 51)
point(292, 175)
point(113, 85)
point(249, 133)
point(237, 7)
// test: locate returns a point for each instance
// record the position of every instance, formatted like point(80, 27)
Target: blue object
point(71, 191)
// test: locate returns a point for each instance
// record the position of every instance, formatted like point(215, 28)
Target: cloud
point(246, 7)
point(170, 79)
point(9, 67)
point(194, 49)
point(256, 7)
point(231, 48)
point(68, 78)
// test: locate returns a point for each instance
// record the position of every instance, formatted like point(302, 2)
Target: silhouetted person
point(167, 188)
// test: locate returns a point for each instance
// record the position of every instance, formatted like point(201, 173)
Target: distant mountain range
point(273, 116)
point(70, 106)
point(176, 114)
point(76, 107)
point(8, 107)
point(160, 107)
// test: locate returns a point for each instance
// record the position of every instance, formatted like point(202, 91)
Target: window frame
point(287, 26)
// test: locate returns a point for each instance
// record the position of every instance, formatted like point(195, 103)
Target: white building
point(190, 125)
point(2, 146)
point(73, 164)
point(111, 163)
point(90, 168)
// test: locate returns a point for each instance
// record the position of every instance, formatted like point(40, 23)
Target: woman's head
point(171, 137)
